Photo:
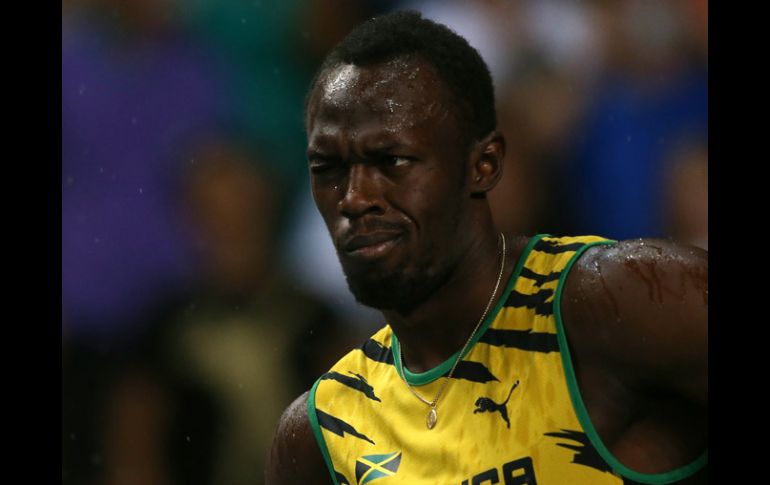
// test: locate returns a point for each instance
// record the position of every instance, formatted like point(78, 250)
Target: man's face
point(387, 162)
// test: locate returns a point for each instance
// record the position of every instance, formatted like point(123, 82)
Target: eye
point(318, 167)
point(322, 164)
point(396, 161)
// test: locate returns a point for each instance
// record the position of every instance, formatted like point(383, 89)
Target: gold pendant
point(432, 418)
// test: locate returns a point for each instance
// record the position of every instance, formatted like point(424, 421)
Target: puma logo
point(485, 404)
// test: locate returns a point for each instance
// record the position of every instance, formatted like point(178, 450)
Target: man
point(505, 359)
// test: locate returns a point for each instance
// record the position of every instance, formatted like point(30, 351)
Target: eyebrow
point(386, 142)
point(383, 147)
point(318, 147)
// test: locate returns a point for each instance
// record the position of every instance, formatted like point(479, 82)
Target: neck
point(439, 327)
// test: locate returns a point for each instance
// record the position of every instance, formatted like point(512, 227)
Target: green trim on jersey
point(582, 412)
point(313, 418)
point(422, 378)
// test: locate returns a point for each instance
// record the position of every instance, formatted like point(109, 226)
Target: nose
point(362, 194)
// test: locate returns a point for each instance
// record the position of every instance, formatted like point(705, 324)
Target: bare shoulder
point(641, 307)
point(295, 456)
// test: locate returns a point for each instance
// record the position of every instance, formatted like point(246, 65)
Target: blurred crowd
point(200, 290)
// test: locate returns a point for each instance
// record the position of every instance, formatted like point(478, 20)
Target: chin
point(400, 290)
point(381, 295)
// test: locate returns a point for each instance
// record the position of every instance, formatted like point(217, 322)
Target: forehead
point(399, 93)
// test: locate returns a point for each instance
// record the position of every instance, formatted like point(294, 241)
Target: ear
point(486, 163)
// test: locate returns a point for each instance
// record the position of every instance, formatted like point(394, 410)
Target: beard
point(402, 288)
point(395, 290)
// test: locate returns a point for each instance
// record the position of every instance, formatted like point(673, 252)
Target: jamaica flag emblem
point(372, 467)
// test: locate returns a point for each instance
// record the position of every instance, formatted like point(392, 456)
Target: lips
point(370, 245)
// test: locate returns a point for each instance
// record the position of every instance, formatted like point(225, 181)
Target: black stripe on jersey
point(553, 247)
point(472, 371)
point(521, 339)
point(585, 453)
point(468, 370)
point(338, 426)
point(341, 478)
point(375, 351)
point(536, 301)
point(358, 383)
point(539, 278)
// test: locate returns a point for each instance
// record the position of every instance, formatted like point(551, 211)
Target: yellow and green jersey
point(512, 413)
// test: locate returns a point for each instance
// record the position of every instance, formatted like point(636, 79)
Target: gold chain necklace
point(432, 414)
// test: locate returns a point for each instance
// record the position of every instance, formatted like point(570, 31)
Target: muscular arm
point(641, 308)
point(295, 456)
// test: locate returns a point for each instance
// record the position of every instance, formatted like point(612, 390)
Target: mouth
point(371, 246)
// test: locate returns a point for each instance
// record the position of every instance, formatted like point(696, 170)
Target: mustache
point(364, 227)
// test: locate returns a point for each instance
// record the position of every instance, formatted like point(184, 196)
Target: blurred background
point(200, 290)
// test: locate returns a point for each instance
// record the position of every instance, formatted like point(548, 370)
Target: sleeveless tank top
point(511, 415)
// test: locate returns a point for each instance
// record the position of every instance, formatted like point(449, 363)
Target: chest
point(507, 416)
